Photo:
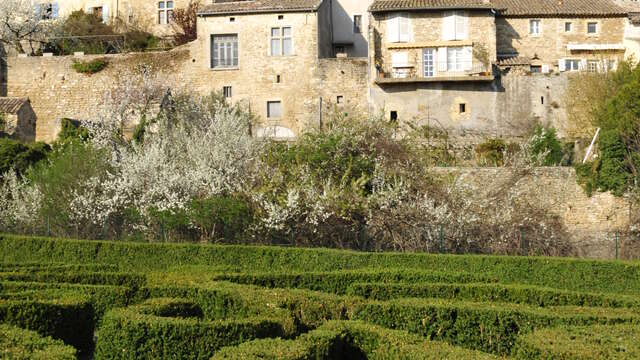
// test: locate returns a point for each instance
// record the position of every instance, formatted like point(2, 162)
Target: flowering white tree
point(19, 203)
point(23, 22)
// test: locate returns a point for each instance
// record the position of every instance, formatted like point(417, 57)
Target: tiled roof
point(220, 7)
point(11, 105)
point(514, 60)
point(634, 18)
point(558, 8)
point(397, 5)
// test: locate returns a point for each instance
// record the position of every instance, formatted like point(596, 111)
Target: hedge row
point(143, 332)
point(490, 327)
point(571, 274)
point(93, 278)
point(349, 340)
point(337, 282)
point(584, 343)
point(521, 294)
point(60, 267)
point(20, 344)
point(70, 318)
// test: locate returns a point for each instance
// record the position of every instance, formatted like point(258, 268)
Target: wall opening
point(542, 100)
point(280, 17)
point(393, 116)
point(340, 99)
point(226, 91)
point(462, 108)
point(278, 79)
point(232, 19)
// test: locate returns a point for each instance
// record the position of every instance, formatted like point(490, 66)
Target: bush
point(20, 344)
point(545, 148)
point(90, 67)
point(580, 342)
point(20, 156)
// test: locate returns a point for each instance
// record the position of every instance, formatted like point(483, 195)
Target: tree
point(21, 23)
point(185, 23)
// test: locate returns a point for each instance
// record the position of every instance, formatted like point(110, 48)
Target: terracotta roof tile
point(558, 8)
point(397, 5)
point(514, 60)
point(259, 6)
point(11, 105)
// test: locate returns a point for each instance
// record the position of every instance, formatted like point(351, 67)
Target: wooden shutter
point(400, 59)
point(105, 13)
point(404, 28)
point(392, 28)
point(461, 22)
point(442, 59)
point(562, 65)
point(583, 64)
point(449, 25)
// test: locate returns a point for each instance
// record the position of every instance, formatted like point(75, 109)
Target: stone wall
point(513, 37)
point(591, 222)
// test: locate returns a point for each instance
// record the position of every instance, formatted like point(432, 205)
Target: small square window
point(592, 28)
point(393, 116)
point(340, 99)
point(226, 91)
point(534, 27)
point(567, 27)
point(278, 79)
point(274, 109)
point(232, 19)
point(463, 108)
point(280, 17)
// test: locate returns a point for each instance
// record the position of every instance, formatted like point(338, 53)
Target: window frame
point(227, 91)
point(269, 110)
point(235, 51)
point(458, 64)
point(425, 72)
point(281, 39)
point(570, 24)
point(165, 11)
point(357, 25)
point(572, 61)
point(538, 28)
point(597, 28)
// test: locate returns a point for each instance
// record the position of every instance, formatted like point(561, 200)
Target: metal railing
point(411, 71)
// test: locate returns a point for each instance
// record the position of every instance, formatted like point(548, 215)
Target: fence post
point(523, 242)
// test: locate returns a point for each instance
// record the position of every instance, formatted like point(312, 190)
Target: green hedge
point(521, 294)
point(70, 319)
point(584, 343)
point(338, 282)
point(136, 333)
point(40, 267)
point(91, 278)
point(570, 274)
point(349, 340)
point(20, 344)
point(490, 327)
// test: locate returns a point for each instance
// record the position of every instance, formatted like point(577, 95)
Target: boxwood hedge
point(20, 344)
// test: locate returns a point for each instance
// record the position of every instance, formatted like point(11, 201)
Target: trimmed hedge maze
point(63, 299)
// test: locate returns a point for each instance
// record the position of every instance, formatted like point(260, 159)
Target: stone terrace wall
point(591, 221)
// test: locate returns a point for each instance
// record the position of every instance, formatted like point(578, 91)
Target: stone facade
point(20, 123)
point(550, 45)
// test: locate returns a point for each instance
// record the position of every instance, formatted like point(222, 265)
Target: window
point(224, 51)
point(455, 59)
point(357, 24)
point(47, 11)
point(278, 79)
point(393, 116)
point(281, 41)
point(572, 65)
point(454, 25)
point(535, 69)
point(97, 11)
point(232, 19)
point(592, 28)
point(226, 91)
point(593, 66)
point(340, 99)
point(398, 28)
point(428, 62)
point(462, 108)
point(280, 17)
point(541, 100)
point(165, 12)
point(274, 109)
point(567, 27)
point(534, 27)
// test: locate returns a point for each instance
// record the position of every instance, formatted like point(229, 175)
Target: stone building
point(17, 119)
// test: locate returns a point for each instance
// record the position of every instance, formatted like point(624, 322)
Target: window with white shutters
point(398, 28)
point(224, 51)
point(455, 59)
point(454, 25)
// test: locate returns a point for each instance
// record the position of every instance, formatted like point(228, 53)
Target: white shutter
point(404, 28)
point(400, 59)
point(105, 13)
point(449, 25)
point(614, 65)
point(545, 68)
point(461, 25)
point(392, 28)
point(562, 65)
point(467, 58)
point(88, 9)
point(583, 64)
point(442, 59)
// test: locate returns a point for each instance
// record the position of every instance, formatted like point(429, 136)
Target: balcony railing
point(460, 71)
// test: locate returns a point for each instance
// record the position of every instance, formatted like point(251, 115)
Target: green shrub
point(519, 294)
point(20, 344)
point(581, 342)
point(546, 149)
point(92, 278)
point(20, 156)
point(491, 152)
point(90, 67)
